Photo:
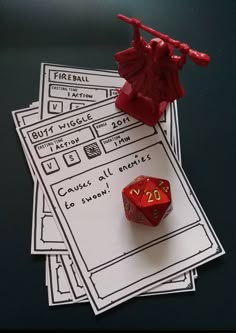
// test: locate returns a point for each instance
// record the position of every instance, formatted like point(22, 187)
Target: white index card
point(116, 259)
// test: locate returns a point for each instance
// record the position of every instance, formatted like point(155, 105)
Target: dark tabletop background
point(87, 34)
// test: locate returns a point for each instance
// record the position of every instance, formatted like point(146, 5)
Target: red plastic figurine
point(151, 73)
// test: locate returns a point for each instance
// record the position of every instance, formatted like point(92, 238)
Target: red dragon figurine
point(151, 73)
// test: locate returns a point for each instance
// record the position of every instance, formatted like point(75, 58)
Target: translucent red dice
point(147, 200)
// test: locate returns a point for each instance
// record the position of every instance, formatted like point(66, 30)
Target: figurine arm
point(179, 61)
point(138, 41)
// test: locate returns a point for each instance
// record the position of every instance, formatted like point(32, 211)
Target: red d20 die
point(147, 200)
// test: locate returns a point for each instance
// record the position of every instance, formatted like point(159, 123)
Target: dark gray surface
point(87, 33)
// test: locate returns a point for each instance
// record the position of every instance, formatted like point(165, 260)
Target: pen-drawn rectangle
point(80, 93)
point(113, 124)
point(127, 137)
point(104, 279)
point(64, 142)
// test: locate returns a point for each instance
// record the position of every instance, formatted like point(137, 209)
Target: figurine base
point(140, 108)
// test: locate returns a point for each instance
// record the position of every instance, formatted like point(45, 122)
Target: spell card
point(82, 165)
point(47, 239)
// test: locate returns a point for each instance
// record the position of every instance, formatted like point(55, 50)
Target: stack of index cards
point(81, 152)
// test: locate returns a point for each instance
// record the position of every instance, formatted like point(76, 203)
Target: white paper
point(129, 258)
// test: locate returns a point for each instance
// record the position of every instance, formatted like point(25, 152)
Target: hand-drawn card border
point(16, 114)
point(190, 287)
point(82, 297)
point(52, 300)
point(36, 230)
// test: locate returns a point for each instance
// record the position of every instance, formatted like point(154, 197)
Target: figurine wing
point(130, 62)
point(133, 65)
